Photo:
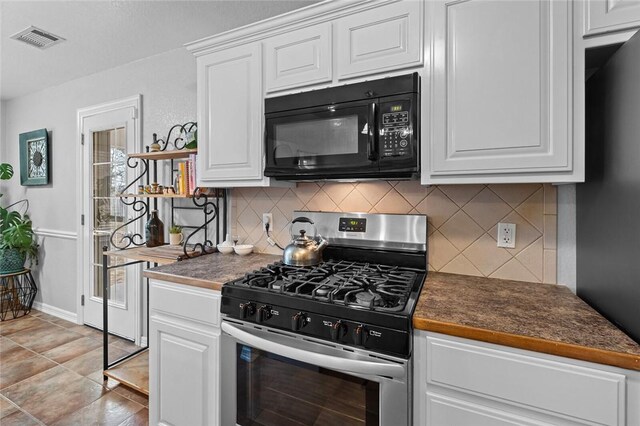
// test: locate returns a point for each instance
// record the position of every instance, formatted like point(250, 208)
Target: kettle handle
point(303, 219)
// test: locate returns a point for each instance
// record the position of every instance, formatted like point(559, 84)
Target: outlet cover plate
point(507, 235)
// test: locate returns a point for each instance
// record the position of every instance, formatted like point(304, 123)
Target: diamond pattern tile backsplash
point(462, 221)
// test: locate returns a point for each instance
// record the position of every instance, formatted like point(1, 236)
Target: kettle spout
point(321, 245)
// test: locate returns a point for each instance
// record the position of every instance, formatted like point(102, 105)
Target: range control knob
point(338, 330)
point(360, 335)
point(298, 321)
point(247, 309)
point(264, 313)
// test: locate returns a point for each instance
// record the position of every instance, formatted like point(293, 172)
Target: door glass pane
point(274, 390)
point(109, 213)
point(109, 179)
point(116, 283)
point(327, 136)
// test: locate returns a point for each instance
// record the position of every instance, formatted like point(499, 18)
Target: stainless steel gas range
point(327, 344)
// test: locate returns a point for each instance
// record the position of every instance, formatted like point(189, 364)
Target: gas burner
point(323, 291)
point(368, 299)
point(353, 284)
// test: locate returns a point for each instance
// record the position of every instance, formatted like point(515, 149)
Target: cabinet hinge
point(82, 139)
point(82, 219)
point(82, 300)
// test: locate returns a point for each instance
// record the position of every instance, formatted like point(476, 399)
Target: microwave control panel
point(396, 133)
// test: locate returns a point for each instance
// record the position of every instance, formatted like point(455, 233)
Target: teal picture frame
point(34, 158)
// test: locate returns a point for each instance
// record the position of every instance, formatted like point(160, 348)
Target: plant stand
point(17, 293)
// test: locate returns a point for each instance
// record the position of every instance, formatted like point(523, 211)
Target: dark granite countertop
point(540, 317)
point(210, 271)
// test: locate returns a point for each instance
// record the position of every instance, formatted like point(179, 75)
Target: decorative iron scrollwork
point(139, 206)
point(129, 239)
point(211, 210)
point(178, 143)
point(132, 163)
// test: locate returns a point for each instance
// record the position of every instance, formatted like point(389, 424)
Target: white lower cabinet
point(184, 350)
point(464, 382)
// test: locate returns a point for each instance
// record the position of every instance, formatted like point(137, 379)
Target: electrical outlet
point(267, 218)
point(507, 235)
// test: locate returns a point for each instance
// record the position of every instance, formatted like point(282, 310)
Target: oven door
point(323, 142)
point(270, 377)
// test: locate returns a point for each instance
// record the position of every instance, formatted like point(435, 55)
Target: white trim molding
point(55, 233)
point(56, 312)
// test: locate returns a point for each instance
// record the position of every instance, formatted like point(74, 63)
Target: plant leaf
point(6, 171)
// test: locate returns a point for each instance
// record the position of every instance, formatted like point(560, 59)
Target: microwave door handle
point(327, 361)
point(372, 146)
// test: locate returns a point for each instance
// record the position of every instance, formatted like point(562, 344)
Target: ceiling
point(105, 34)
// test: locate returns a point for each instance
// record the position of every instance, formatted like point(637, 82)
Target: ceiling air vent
point(36, 37)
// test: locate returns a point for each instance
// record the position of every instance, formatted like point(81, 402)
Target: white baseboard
point(56, 312)
point(143, 341)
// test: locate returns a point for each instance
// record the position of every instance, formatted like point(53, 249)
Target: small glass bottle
point(154, 231)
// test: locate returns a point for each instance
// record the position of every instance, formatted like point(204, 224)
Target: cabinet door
point(298, 58)
point(501, 88)
point(183, 373)
point(230, 115)
point(381, 39)
point(602, 16)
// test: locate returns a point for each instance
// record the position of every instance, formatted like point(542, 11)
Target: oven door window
point(326, 138)
point(276, 391)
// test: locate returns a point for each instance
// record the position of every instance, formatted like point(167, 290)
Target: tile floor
point(51, 373)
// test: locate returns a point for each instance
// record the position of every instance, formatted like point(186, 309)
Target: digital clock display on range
point(352, 224)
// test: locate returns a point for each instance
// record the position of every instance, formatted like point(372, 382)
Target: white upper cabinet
point(602, 16)
point(384, 38)
point(230, 148)
point(501, 94)
point(298, 58)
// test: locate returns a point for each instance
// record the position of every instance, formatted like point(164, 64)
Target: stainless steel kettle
point(304, 251)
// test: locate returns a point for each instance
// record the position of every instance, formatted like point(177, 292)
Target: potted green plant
point(175, 235)
point(17, 240)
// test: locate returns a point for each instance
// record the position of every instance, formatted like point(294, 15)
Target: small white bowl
point(225, 249)
point(243, 249)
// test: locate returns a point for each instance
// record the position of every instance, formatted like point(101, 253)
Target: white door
point(109, 134)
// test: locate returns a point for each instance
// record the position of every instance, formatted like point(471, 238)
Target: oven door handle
point(346, 365)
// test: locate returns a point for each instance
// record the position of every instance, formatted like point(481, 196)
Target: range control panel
point(396, 131)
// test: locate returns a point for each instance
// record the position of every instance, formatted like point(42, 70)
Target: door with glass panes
point(108, 137)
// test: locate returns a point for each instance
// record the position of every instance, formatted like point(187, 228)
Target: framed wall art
point(34, 158)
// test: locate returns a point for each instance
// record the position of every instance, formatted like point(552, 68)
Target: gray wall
point(167, 83)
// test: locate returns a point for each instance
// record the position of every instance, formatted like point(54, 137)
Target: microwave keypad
point(396, 134)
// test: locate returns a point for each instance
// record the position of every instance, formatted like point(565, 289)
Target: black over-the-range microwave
point(365, 130)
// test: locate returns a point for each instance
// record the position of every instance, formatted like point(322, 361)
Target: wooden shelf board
point(155, 196)
point(133, 373)
point(162, 255)
point(164, 155)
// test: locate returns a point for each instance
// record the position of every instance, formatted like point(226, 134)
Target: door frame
point(134, 103)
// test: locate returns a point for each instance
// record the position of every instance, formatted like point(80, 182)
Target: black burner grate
point(360, 285)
